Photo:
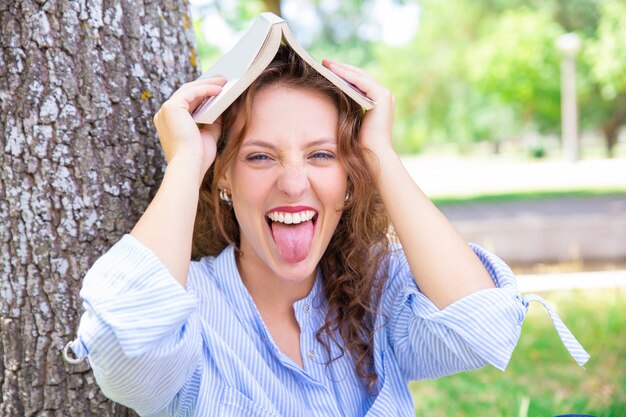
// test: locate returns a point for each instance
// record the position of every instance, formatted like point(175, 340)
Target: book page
point(251, 55)
point(237, 61)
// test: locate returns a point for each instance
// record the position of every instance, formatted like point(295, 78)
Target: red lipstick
point(291, 209)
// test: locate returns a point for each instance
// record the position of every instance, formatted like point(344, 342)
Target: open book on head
point(250, 56)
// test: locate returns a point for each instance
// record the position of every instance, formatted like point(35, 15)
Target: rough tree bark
point(79, 160)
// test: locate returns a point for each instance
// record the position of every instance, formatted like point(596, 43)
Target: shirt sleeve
point(140, 329)
point(479, 329)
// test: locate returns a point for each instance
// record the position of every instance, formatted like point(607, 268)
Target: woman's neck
point(267, 289)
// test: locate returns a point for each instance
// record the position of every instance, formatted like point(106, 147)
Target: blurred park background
point(479, 88)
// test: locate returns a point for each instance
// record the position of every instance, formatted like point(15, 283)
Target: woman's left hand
point(377, 124)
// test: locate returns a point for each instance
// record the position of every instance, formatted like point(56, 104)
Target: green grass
point(527, 195)
point(541, 373)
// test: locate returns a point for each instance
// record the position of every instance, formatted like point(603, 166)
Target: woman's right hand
point(179, 134)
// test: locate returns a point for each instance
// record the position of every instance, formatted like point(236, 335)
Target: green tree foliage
point(580, 16)
point(437, 100)
point(490, 70)
point(237, 15)
point(516, 61)
point(484, 70)
point(207, 52)
point(606, 57)
point(607, 52)
point(341, 35)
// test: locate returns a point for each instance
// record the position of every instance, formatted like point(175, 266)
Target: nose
point(293, 181)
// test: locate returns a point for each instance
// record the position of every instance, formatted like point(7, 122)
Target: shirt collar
point(308, 310)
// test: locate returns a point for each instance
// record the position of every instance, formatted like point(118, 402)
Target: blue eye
point(323, 155)
point(258, 157)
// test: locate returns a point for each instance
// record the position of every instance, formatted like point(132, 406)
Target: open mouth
point(292, 232)
point(291, 218)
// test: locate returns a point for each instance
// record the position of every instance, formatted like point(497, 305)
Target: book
point(250, 56)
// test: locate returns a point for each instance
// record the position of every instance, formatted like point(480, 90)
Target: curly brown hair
point(353, 265)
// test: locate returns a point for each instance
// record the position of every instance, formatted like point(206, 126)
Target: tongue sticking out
point(293, 240)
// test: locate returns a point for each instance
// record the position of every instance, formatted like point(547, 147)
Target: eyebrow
point(270, 145)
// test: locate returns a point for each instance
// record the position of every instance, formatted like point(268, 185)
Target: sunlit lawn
point(530, 195)
point(542, 379)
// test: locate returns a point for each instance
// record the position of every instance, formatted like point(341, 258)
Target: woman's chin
point(296, 271)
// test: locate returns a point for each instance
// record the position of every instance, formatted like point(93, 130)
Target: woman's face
point(287, 183)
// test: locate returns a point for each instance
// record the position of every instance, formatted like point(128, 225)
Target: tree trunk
point(611, 133)
point(79, 83)
point(612, 126)
point(272, 6)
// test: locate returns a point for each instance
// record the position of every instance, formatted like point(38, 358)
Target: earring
point(347, 197)
point(225, 197)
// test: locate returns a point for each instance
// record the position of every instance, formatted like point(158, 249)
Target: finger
point(357, 70)
point(192, 95)
point(213, 130)
point(218, 79)
point(185, 88)
point(198, 100)
point(346, 69)
point(363, 82)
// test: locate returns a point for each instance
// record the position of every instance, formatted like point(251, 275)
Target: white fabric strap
point(79, 352)
point(571, 343)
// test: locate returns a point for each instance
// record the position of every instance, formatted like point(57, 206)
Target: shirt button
point(311, 354)
point(306, 308)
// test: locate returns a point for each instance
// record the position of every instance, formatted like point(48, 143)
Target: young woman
point(301, 303)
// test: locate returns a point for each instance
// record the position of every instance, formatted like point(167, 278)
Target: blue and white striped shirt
point(204, 350)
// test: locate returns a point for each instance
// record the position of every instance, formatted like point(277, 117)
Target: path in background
point(571, 229)
point(568, 281)
point(552, 230)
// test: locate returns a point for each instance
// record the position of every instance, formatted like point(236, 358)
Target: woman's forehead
point(289, 108)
